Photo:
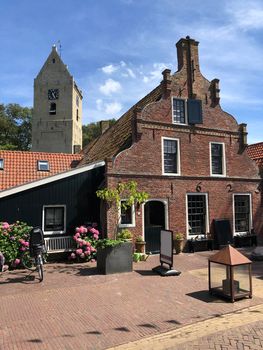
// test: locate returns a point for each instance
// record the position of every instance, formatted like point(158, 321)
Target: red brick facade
point(143, 160)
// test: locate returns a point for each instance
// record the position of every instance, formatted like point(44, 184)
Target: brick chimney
point(188, 59)
point(104, 125)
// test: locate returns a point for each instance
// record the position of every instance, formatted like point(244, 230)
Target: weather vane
point(59, 47)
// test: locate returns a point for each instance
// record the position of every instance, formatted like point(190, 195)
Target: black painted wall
point(76, 192)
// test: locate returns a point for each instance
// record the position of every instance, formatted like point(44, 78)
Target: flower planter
point(115, 259)
point(140, 247)
point(178, 245)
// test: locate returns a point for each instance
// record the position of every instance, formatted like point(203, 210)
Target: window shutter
point(194, 112)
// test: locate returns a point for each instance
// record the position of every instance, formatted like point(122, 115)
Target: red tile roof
point(255, 151)
point(21, 167)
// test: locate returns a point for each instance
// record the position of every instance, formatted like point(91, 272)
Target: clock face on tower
point(53, 94)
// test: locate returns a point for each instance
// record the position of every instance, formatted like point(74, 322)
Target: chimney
point(214, 92)
point(104, 125)
point(166, 83)
point(187, 56)
point(76, 149)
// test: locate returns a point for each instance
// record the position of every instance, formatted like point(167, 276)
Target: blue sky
point(117, 49)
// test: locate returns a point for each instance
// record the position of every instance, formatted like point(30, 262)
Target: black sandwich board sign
point(166, 255)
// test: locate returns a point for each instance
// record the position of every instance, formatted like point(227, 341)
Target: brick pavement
point(76, 308)
point(240, 330)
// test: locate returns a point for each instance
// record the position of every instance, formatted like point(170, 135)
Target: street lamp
point(229, 274)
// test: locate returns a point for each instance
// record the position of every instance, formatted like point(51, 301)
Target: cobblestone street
point(74, 307)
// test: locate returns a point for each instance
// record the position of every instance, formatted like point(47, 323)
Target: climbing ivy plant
point(124, 195)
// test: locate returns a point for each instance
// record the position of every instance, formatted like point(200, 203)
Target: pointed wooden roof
point(229, 256)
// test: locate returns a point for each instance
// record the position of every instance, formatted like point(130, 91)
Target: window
point(77, 100)
point(54, 219)
point(178, 111)
point(1, 164)
point(187, 111)
point(197, 214)
point(242, 213)
point(53, 108)
point(127, 216)
point(77, 115)
point(171, 157)
point(217, 159)
point(42, 165)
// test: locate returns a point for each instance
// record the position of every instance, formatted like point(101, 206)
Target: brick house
point(189, 155)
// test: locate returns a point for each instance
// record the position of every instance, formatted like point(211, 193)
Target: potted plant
point(140, 244)
point(178, 243)
point(125, 235)
point(115, 255)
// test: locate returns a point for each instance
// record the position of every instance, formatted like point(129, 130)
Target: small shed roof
point(229, 256)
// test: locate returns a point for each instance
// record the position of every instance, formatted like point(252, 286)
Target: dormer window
point(1, 164)
point(42, 165)
point(53, 108)
point(187, 111)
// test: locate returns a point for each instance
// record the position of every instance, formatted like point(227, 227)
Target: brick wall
point(142, 162)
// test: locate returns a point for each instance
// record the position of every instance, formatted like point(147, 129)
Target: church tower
point(57, 116)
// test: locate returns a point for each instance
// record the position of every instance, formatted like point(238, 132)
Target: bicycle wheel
point(40, 267)
point(27, 261)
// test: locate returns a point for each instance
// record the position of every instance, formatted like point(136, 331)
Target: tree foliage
point(15, 127)
point(92, 131)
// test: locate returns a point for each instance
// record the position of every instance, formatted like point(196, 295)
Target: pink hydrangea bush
point(86, 242)
point(14, 239)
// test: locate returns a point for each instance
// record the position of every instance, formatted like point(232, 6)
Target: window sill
point(218, 175)
point(171, 174)
point(126, 225)
point(50, 233)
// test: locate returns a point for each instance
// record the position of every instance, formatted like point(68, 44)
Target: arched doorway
point(154, 222)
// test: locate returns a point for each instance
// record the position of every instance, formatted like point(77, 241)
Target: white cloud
point(113, 108)
point(99, 104)
point(111, 86)
point(131, 73)
point(109, 69)
point(155, 75)
point(247, 14)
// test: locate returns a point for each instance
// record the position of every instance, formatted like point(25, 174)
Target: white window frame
point(223, 158)
point(132, 224)
point(43, 219)
point(250, 224)
point(42, 162)
point(178, 157)
point(185, 110)
point(1, 163)
point(207, 213)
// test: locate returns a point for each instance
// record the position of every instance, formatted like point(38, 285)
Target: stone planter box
point(115, 259)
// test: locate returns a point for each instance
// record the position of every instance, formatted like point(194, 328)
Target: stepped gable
point(119, 136)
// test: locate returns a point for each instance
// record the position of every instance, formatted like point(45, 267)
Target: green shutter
point(194, 112)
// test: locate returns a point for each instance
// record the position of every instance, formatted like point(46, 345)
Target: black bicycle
point(32, 259)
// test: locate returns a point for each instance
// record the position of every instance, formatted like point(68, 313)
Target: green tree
point(92, 131)
point(15, 127)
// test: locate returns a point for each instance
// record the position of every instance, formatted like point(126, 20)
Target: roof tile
point(21, 167)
